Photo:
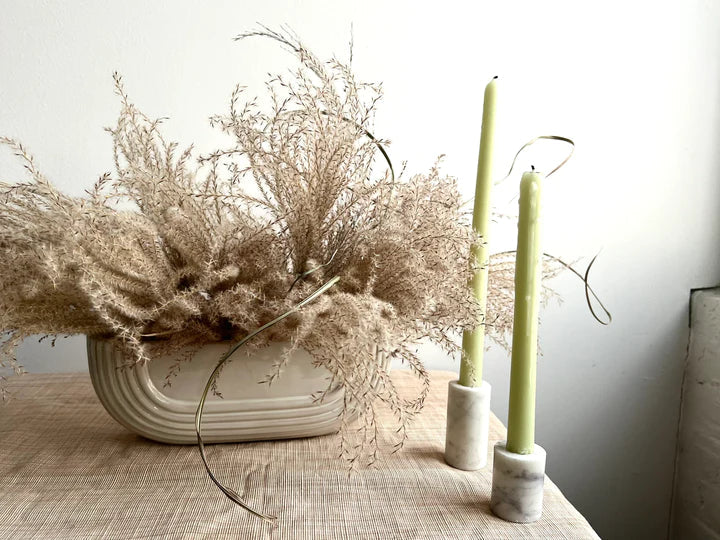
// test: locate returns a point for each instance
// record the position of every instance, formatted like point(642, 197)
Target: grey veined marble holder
point(468, 421)
point(517, 484)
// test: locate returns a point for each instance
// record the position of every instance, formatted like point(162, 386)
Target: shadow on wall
point(614, 442)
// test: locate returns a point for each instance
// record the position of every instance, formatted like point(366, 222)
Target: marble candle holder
point(468, 421)
point(517, 484)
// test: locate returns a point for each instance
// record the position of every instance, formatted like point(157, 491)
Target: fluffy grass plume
point(172, 251)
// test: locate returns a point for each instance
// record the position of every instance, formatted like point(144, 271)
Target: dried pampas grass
point(171, 252)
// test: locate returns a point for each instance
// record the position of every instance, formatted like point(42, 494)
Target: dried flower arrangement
point(169, 254)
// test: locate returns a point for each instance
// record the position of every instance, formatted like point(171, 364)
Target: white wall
point(635, 84)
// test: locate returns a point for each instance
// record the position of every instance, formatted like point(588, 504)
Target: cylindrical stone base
point(468, 421)
point(517, 484)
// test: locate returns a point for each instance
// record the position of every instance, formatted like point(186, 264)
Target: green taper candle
point(521, 416)
point(474, 341)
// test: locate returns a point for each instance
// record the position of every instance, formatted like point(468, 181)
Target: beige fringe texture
point(171, 253)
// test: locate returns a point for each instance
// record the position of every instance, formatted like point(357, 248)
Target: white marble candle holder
point(468, 421)
point(517, 484)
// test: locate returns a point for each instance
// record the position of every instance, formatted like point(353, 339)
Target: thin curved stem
point(230, 493)
point(588, 289)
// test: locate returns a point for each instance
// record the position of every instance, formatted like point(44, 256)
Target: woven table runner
point(68, 470)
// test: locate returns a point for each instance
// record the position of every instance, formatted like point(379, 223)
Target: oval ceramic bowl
point(138, 398)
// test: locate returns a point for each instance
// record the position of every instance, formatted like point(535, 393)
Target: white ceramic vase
point(138, 398)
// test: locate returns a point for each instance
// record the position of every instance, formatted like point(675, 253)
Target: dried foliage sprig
point(169, 254)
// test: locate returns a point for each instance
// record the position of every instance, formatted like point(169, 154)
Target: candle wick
point(495, 77)
point(532, 167)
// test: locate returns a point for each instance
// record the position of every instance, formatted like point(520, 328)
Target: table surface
point(68, 470)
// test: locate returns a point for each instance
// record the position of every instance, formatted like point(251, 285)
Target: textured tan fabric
point(67, 470)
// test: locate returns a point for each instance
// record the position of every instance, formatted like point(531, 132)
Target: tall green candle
point(474, 341)
point(521, 416)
